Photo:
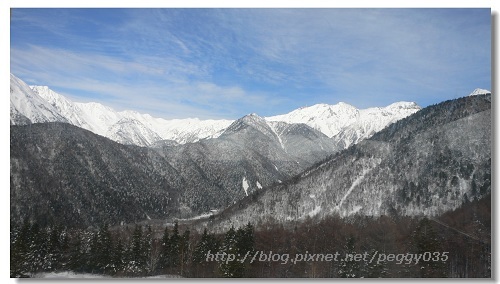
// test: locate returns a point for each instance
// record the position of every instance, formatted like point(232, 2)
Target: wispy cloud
point(162, 87)
point(229, 62)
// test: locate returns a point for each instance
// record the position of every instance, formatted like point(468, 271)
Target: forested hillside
point(457, 244)
point(426, 164)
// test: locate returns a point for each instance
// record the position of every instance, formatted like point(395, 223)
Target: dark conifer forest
point(260, 201)
point(457, 244)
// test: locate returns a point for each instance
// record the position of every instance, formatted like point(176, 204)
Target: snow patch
point(245, 185)
point(202, 216)
point(354, 184)
point(345, 123)
point(164, 276)
point(479, 91)
point(259, 186)
point(73, 275)
point(315, 211)
point(355, 209)
point(68, 274)
point(126, 127)
point(277, 135)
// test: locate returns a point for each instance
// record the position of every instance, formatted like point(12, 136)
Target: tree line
point(138, 251)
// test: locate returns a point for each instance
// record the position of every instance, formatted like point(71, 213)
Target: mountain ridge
point(341, 122)
point(424, 165)
point(57, 165)
point(25, 106)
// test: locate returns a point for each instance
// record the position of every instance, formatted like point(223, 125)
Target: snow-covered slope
point(329, 119)
point(132, 131)
point(346, 124)
point(343, 123)
point(479, 91)
point(27, 107)
point(424, 165)
point(130, 127)
point(372, 120)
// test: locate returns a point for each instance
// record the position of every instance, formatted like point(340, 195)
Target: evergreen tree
point(147, 242)
point(376, 269)
point(54, 247)
point(426, 242)
point(19, 247)
point(208, 243)
point(37, 249)
point(348, 267)
point(118, 257)
point(164, 250)
point(184, 250)
point(202, 248)
point(93, 259)
point(77, 256)
point(136, 261)
point(245, 240)
point(231, 269)
point(104, 250)
point(174, 247)
point(64, 248)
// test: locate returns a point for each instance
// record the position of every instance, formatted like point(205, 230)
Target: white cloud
point(161, 87)
point(251, 60)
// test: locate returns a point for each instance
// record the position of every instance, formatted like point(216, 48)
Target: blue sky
point(225, 63)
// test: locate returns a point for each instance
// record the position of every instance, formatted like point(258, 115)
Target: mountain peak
point(249, 120)
point(28, 106)
point(345, 123)
point(253, 118)
point(403, 105)
point(342, 104)
point(329, 119)
point(479, 91)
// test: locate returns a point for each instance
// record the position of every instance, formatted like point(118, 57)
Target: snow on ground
point(315, 211)
point(479, 91)
point(164, 276)
point(73, 275)
point(245, 185)
point(277, 135)
point(354, 184)
point(68, 274)
point(202, 216)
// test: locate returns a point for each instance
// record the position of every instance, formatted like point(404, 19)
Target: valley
point(86, 174)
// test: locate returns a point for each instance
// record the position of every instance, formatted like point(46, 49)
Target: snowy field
point(69, 274)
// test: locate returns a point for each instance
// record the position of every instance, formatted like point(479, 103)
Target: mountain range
point(424, 165)
point(341, 122)
point(82, 164)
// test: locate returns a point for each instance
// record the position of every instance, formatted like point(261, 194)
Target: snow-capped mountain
point(372, 120)
point(329, 119)
point(27, 107)
point(129, 127)
point(296, 142)
point(479, 91)
point(87, 178)
point(245, 156)
point(132, 131)
point(346, 124)
point(426, 164)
